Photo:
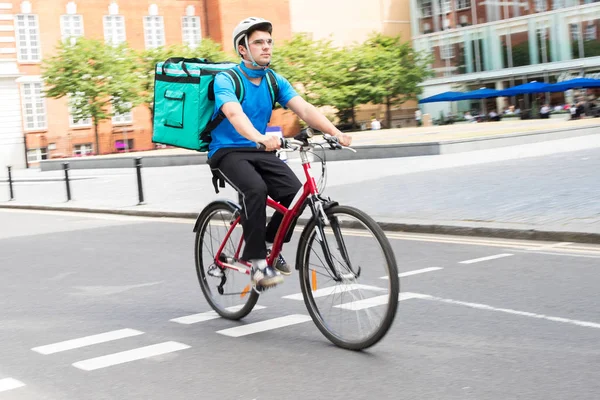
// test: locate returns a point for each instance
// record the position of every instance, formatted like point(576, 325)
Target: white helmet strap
point(254, 63)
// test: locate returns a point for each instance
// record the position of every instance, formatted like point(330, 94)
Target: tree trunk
point(388, 113)
point(97, 137)
point(353, 116)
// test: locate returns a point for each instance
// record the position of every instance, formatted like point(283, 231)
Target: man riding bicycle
point(233, 151)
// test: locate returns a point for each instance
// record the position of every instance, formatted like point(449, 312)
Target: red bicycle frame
point(289, 215)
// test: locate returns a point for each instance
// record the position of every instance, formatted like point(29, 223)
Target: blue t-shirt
point(256, 105)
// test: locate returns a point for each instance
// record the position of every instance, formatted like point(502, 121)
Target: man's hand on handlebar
point(344, 139)
point(269, 142)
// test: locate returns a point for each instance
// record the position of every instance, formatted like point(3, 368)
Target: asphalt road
point(490, 319)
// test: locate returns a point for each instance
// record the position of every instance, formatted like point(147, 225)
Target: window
point(123, 145)
point(462, 4)
point(122, 119)
point(154, 31)
point(79, 123)
point(447, 51)
point(574, 31)
point(446, 6)
point(191, 30)
point(114, 29)
point(86, 122)
point(35, 155)
point(28, 37)
point(83, 149)
point(426, 8)
point(558, 4)
point(34, 107)
point(590, 32)
point(540, 5)
point(71, 26)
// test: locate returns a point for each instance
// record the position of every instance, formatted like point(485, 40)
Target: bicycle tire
point(302, 260)
point(203, 223)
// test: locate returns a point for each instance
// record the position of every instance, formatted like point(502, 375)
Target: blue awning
point(577, 83)
point(446, 96)
point(483, 93)
point(531, 87)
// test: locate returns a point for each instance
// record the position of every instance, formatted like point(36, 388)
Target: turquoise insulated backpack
point(184, 100)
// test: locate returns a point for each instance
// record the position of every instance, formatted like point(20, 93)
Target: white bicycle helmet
point(241, 32)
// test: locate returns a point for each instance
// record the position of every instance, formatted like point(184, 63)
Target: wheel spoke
point(228, 296)
point(347, 315)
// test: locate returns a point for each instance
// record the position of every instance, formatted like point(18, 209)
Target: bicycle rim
point(357, 311)
point(234, 298)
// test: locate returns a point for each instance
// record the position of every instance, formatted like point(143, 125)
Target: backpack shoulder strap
point(237, 84)
point(239, 93)
point(273, 86)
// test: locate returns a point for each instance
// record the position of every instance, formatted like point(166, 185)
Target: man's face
point(258, 45)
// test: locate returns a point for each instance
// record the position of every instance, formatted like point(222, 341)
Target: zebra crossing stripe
point(86, 341)
point(129, 355)
point(207, 316)
point(375, 301)
point(9, 384)
point(266, 325)
point(335, 290)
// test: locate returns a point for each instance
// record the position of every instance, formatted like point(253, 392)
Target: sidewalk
point(546, 190)
point(387, 143)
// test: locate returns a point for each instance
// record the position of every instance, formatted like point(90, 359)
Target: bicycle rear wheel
point(356, 311)
point(228, 291)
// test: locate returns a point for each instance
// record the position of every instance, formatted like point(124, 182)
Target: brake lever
point(335, 144)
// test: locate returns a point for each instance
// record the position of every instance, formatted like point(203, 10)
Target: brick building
point(37, 128)
point(499, 44)
point(30, 31)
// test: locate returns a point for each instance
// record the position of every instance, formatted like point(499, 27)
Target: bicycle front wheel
point(349, 278)
point(228, 291)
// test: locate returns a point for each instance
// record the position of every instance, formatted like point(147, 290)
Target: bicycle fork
point(322, 220)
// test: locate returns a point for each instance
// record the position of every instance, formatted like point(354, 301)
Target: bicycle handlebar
point(294, 144)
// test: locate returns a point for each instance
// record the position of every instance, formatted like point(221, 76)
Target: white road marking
point(109, 290)
point(207, 316)
point(86, 341)
point(550, 246)
point(267, 325)
point(562, 254)
point(326, 291)
point(9, 384)
point(374, 301)
point(130, 355)
point(415, 272)
point(476, 260)
point(509, 311)
point(452, 239)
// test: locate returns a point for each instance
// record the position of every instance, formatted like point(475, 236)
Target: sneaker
point(265, 278)
point(280, 264)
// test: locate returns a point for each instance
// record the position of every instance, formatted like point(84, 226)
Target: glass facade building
point(501, 43)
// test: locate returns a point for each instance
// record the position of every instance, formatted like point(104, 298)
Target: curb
point(365, 151)
point(57, 179)
point(433, 228)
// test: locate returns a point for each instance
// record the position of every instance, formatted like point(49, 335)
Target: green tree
point(100, 80)
point(148, 59)
point(304, 63)
point(349, 83)
point(395, 71)
point(323, 74)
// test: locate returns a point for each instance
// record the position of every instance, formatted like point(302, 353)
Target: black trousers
point(256, 175)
